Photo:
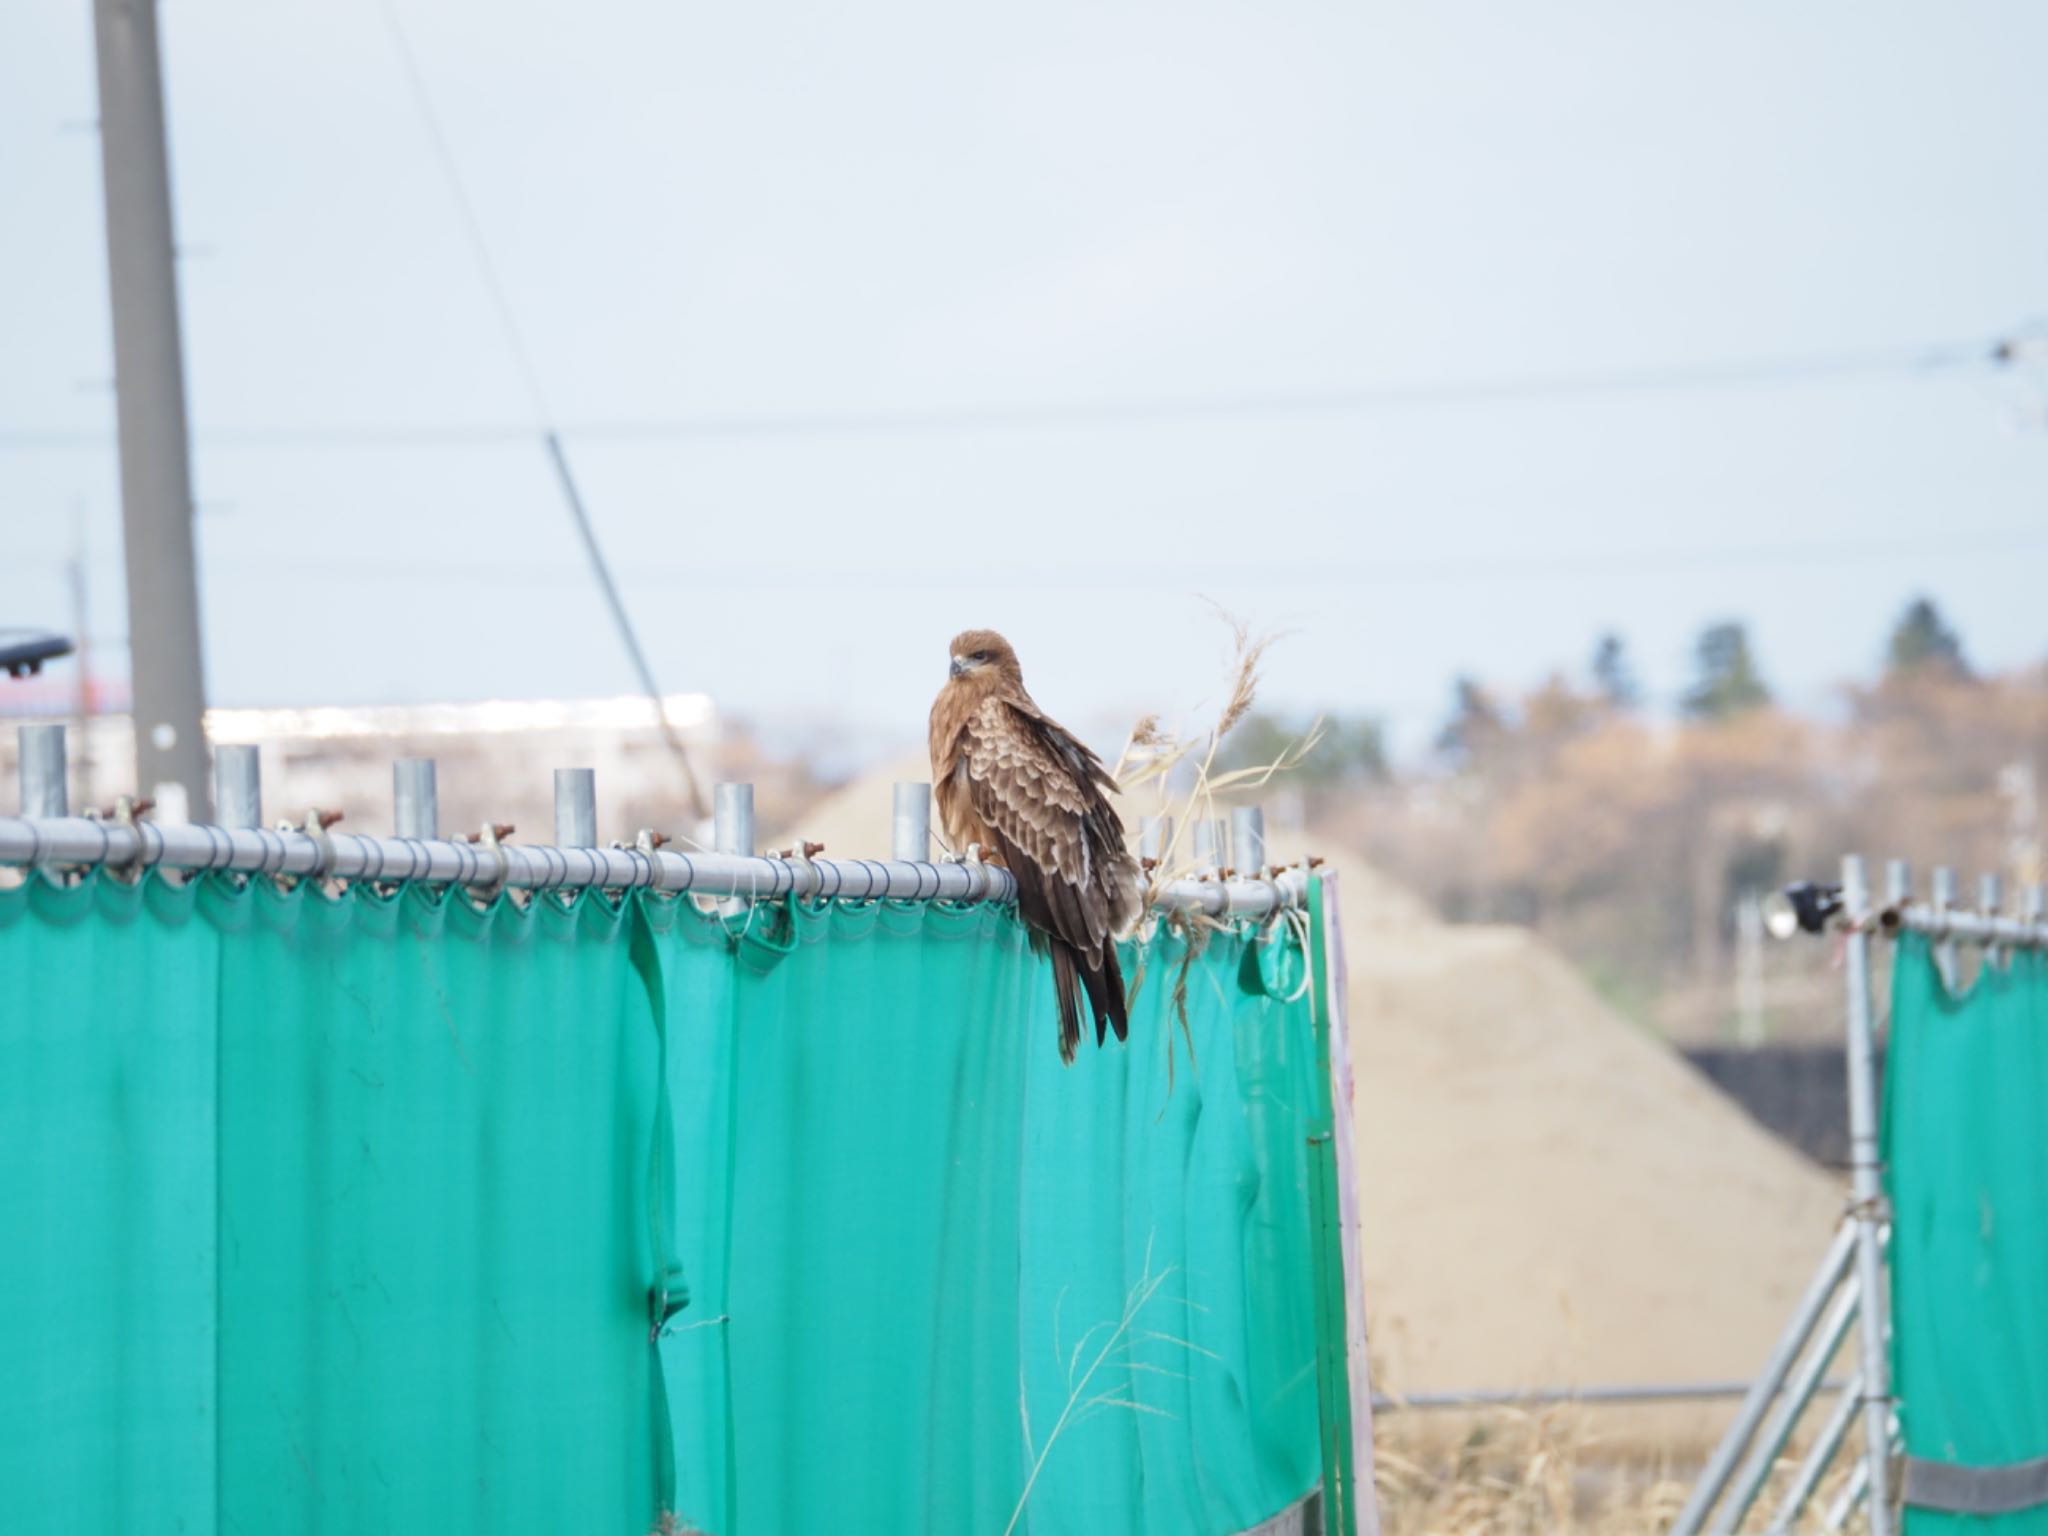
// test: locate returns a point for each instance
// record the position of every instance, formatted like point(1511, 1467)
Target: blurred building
point(496, 758)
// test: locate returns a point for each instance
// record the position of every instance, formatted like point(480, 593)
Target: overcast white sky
point(766, 212)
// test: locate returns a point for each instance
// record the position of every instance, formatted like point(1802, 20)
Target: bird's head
point(985, 657)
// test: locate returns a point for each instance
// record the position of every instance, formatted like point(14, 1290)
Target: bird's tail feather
point(1067, 984)
point(1105, 984)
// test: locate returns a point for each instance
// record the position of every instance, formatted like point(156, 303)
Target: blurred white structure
point(496, 758)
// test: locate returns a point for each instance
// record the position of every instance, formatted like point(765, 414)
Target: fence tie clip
point(315, 826)
point(647, 843)
point(970, 859)
point(806, 853)
point(492, 835)
point(126, 812)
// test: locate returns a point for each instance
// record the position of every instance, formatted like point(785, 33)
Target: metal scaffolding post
point(238, 786)
point(415, 799)
point(576, 807)
point(1867, 1185)
point(1248, 840)
point(910, 826)
point(41, 766)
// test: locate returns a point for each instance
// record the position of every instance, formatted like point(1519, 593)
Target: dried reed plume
point(1154, 754)
point(1249, 650)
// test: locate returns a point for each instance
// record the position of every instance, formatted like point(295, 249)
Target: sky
point(1441, 337)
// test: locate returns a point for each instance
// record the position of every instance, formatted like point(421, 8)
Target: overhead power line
point(1757, 372)
point(1549, 565)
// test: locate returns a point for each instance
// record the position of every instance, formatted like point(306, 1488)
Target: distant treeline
point(1630, 840)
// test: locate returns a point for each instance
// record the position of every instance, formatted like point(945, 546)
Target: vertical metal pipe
point(2034, 904)
point(732, 810)
point(1898, 883)
point(1206, 853)
point(576, 807)
point(1155, 834)
point(45, 787)
point(1224, 852)
point(1944, 898)
point(1990, 903)
point(237, 786)
point(910, 822)
point(415, 799)
point(1867, 1185)
point(733, 806)
point(1248, 839)
point(1721, 1465)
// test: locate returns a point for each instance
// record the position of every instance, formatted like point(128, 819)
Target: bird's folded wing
point(1027, 796)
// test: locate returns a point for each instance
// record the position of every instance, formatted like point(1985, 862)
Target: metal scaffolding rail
point(1850, 1287)
point(2026, 932)
point(46, 834)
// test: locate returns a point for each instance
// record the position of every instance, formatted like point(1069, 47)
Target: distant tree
point(1474, 724)
point(1351, 751)
point(1922, 640)
point(1727, 681)
point(1555, 713)
point(1613, 675)
point(1355, 747)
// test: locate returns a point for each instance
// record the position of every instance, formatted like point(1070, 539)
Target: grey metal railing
point(47, 834)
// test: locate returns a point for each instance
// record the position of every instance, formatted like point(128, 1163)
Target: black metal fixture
point(23, 651)
point(1802, 907)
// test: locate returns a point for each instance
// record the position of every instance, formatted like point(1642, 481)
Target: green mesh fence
point(360, 1214)
point(1966, 1145)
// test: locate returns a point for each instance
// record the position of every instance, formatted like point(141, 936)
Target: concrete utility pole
point(149, 387)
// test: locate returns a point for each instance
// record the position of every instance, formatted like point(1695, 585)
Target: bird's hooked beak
point(958, 668)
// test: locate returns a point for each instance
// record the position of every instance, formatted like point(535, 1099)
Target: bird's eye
point(979, 656)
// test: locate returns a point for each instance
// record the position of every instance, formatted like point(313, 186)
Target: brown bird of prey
point(1014, 783)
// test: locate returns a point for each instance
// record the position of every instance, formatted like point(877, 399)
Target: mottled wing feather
point(1025, 791)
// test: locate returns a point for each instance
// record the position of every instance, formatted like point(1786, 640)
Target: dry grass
point(1542, 1473)
point(1513, 1473)
point(1114, 1345)
point(1181, 771)
point(1510, 1473)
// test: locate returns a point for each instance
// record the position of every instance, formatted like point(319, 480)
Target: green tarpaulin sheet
point(382, 1213)
point(1966, 1149)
